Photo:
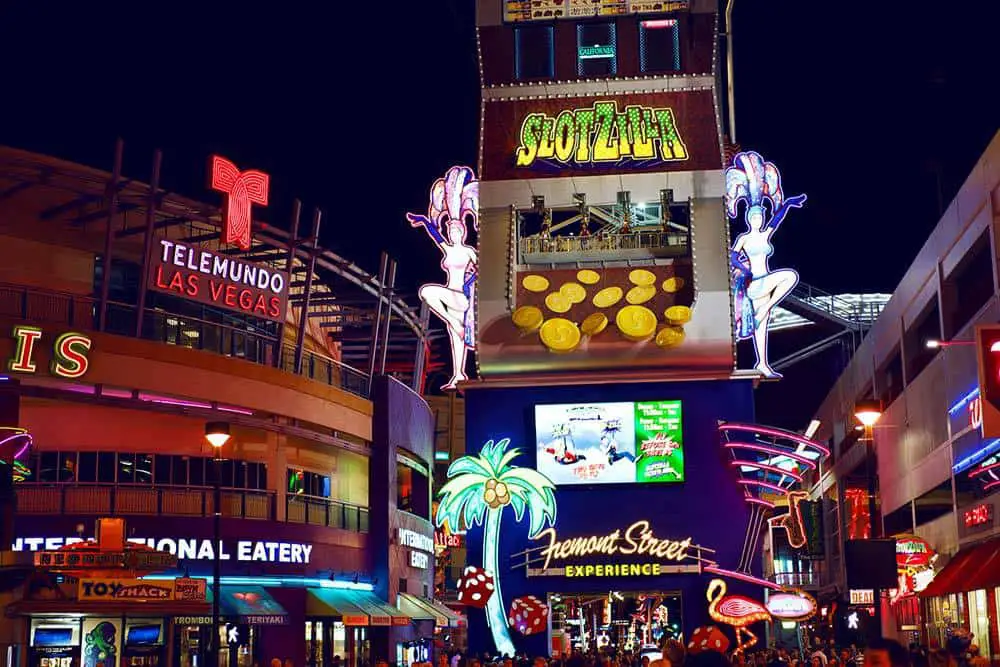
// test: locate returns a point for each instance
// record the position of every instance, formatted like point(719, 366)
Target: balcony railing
point(112, 499)
point(242, 342)
point(668, 244)
point(796, 579)
point(317, 511)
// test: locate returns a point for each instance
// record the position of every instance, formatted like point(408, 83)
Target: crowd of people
point(958, 651)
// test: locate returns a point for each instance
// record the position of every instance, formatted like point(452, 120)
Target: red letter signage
point(242, 190)
point(69, 353)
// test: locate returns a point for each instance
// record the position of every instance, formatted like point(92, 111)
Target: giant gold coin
point(678, 315)
point(607, 297)
point(671, 285)
point(528, 318)
point(640, 294)
point(588, 277)
point(574, 292)
point(558, 302)
point(535, 283)
point(636, 322)
point(670, 337)
point(594, 324)
point(641, 277)
point(559, 335)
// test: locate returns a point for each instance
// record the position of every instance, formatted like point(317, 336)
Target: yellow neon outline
point(58, 360)
point(12, 363)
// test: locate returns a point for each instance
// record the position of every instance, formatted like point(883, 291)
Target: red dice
point(708, 638)
point(529, 615)
point(475, 587)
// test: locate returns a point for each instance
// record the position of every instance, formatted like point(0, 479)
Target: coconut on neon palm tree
point(478, 490)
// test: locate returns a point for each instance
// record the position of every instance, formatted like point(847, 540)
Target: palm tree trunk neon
point(496, 615)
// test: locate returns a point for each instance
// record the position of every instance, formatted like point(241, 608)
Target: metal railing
point(73, 310)
point(675, 242)
point(317, 511)
point(860, 312)
point(796, 579)
point(112, 499)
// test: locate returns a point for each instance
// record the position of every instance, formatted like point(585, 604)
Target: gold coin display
point(559, 335)
point(594, 324)
point(535, 283)
point(671, 285)
point(557, 302)
point(528, 318)
point(640, 294)
point(608, 296)
point(635, 322)
point(588, 277)
point(641, 277)
point(670, 337)
point(678, 315)
point(574, 292)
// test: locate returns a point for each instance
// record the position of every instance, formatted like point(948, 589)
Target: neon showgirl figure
point(757, 289)
point(454, 207)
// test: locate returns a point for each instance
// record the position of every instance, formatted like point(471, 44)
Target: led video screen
point(610, 443)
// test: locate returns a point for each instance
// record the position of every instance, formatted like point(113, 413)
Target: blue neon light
point(975, 457)
point(963, 401)
point(288, 582)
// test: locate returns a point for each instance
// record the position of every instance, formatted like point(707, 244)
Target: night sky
point(876, 110)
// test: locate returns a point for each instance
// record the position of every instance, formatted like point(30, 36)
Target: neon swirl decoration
point(243, 188)
point(757, 288)
point(453, 208)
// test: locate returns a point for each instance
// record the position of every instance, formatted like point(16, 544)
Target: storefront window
point(979, 622)
point(946, 613)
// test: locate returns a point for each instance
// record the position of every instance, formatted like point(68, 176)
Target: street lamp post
point(868, 413)
point(217, 435)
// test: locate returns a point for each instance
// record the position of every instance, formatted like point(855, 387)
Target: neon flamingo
point(735, 610)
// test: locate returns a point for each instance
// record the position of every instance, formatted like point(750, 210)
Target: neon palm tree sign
point(478, 490)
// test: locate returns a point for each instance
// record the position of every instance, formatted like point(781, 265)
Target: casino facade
point(132, 318)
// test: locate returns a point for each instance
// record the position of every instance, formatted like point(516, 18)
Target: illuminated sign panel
point(69, 352)
point(913, 551)
point(518, 11)
point(797, 606)
point(636, 540)
point(599, 443)
point(862, 596)
point(242, 189)
point(607, 134)
point(126, 589)
point(600, 133)
point(218, 280)
point(261, 551)
point(980, 515)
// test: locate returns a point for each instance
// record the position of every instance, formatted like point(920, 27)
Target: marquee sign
point(219, 280)
point(791, 606)
point(90, 590)
point(261, 551)
point(69, 353)
point(600, 134)
point(636, 540)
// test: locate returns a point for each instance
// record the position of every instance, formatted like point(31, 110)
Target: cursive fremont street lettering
point(218, 280)
point(637, 539)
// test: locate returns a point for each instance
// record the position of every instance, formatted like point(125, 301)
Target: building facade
point(326, 541)
point(931, 460)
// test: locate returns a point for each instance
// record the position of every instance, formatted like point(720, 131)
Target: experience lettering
point(601, 134)
point(636, 539)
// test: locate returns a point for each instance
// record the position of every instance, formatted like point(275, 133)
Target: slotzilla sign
point(260, 551)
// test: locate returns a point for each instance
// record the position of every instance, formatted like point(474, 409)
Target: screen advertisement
point(638, 442)
point(606, 134)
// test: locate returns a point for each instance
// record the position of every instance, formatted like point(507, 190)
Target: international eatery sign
point(215, 278)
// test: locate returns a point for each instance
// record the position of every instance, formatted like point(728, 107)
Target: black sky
point(357, 107)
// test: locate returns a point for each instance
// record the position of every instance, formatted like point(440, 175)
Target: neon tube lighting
point(290, 582)
point(991, 485)
point(763, 466)
point(659, 23)
point(749, 578)
point(238, 411)
point(766, 485)
point(976, 456)
point(770, 450)
point(775, 432)
point(957, 405)
point(759, 501)
point(972, 473)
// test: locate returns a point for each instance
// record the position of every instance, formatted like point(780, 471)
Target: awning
point(249, 605)
point(970, 569)
point(353, 607)
point(424, 609)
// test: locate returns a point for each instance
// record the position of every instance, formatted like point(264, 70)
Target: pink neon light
point(766, 485)
point(991, 485)
point(771, 450)
point(239, 411)
point(759, 501)
point(659, 23)
point(18, 433)
point(979, 471)
point(749, 578)
point(775, 432)
point(242, 190)
point(775, 469)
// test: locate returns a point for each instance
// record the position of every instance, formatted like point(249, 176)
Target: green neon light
point(595, 51)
